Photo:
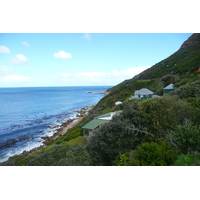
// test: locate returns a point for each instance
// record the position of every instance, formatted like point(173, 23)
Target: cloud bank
point(100, 78)
point(18, 59)
point(4, 49)
point(62, 55)
point(26, 44)
point(5, 71)
point(16, 78)
point(87, 36)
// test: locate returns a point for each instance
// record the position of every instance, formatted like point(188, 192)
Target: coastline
point(63, 128)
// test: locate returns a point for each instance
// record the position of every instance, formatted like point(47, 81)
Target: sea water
point(27, 114)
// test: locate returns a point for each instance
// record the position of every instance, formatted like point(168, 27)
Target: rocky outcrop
point(192, 41)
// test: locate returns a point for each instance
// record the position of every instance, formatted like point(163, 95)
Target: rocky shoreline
point(64, 127)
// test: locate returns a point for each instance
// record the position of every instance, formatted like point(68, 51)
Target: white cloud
point(91, 74)
point(116, 73)
point(131, 72)
point(4, 49)
point(62, 55)
point(19, 58)
point(26, 44)
point(87, 36)
point(4, 71)
point(16, 78)
point(64, 75)
point(100, 78)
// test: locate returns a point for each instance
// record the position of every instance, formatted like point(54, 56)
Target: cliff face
point(192, 41)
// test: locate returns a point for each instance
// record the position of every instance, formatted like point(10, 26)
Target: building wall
point(166, 91)
point(88, 133)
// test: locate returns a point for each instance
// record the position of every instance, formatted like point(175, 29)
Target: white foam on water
point(16, 151)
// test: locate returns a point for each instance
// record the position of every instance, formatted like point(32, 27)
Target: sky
point(75, 59)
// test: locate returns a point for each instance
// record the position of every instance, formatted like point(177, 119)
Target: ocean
point(27, 114)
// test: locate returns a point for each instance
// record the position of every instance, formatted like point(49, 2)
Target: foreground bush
point(48, 158)
point(188, 160)
point(76, 156)
point(113, 139)
point(187, 138)
point(62, 156)
point(149, 154)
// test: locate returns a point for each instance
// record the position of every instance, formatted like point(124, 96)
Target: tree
point(113, 139)
point(164, 113)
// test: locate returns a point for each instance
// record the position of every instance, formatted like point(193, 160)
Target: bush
point(113, 139)
point(48, 158)
point(149, 154)
point(76, 156)
point(187, 138)
point(163, 114)
point(188, 91)
point(153, 154)
point(123, 160)
point(188, 160)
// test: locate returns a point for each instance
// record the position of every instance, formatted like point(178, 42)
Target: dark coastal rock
point(8, 143)
point(83, 112)
point(104, 92)
point(46, 139)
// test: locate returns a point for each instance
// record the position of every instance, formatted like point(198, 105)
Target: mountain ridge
point(185, 59)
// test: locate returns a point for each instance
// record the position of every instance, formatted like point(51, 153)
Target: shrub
point(188, 91)
point(149, 154)
point(76, 156)
point(48, 158)
point(123, 160)
point(187, 138)
point(188, 160)
point(163, 114)
point(153, 154)
point(113, 139)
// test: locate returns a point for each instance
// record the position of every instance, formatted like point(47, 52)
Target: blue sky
point(73, 59)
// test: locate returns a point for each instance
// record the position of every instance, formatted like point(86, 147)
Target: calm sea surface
point(27, 114)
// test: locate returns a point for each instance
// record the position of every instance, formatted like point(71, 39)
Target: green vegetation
point(152, 129)
point(149, 154)
point(187, 138)
point(158, 131)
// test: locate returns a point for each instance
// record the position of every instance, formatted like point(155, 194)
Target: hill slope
point(179, 68)
point(185, 60)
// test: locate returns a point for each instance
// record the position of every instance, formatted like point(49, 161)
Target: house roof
point(108, 114)
point(170, 86)
point(94, 124)
point(144, 91)
point(99, 120)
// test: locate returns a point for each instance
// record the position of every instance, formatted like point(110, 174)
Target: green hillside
point(180, 68)
point(185, 61)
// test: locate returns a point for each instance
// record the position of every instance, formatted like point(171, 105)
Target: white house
point(144, 93)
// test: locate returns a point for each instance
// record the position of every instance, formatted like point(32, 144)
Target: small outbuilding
point(118, 103)
point(168, 88)
point(96, 123)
